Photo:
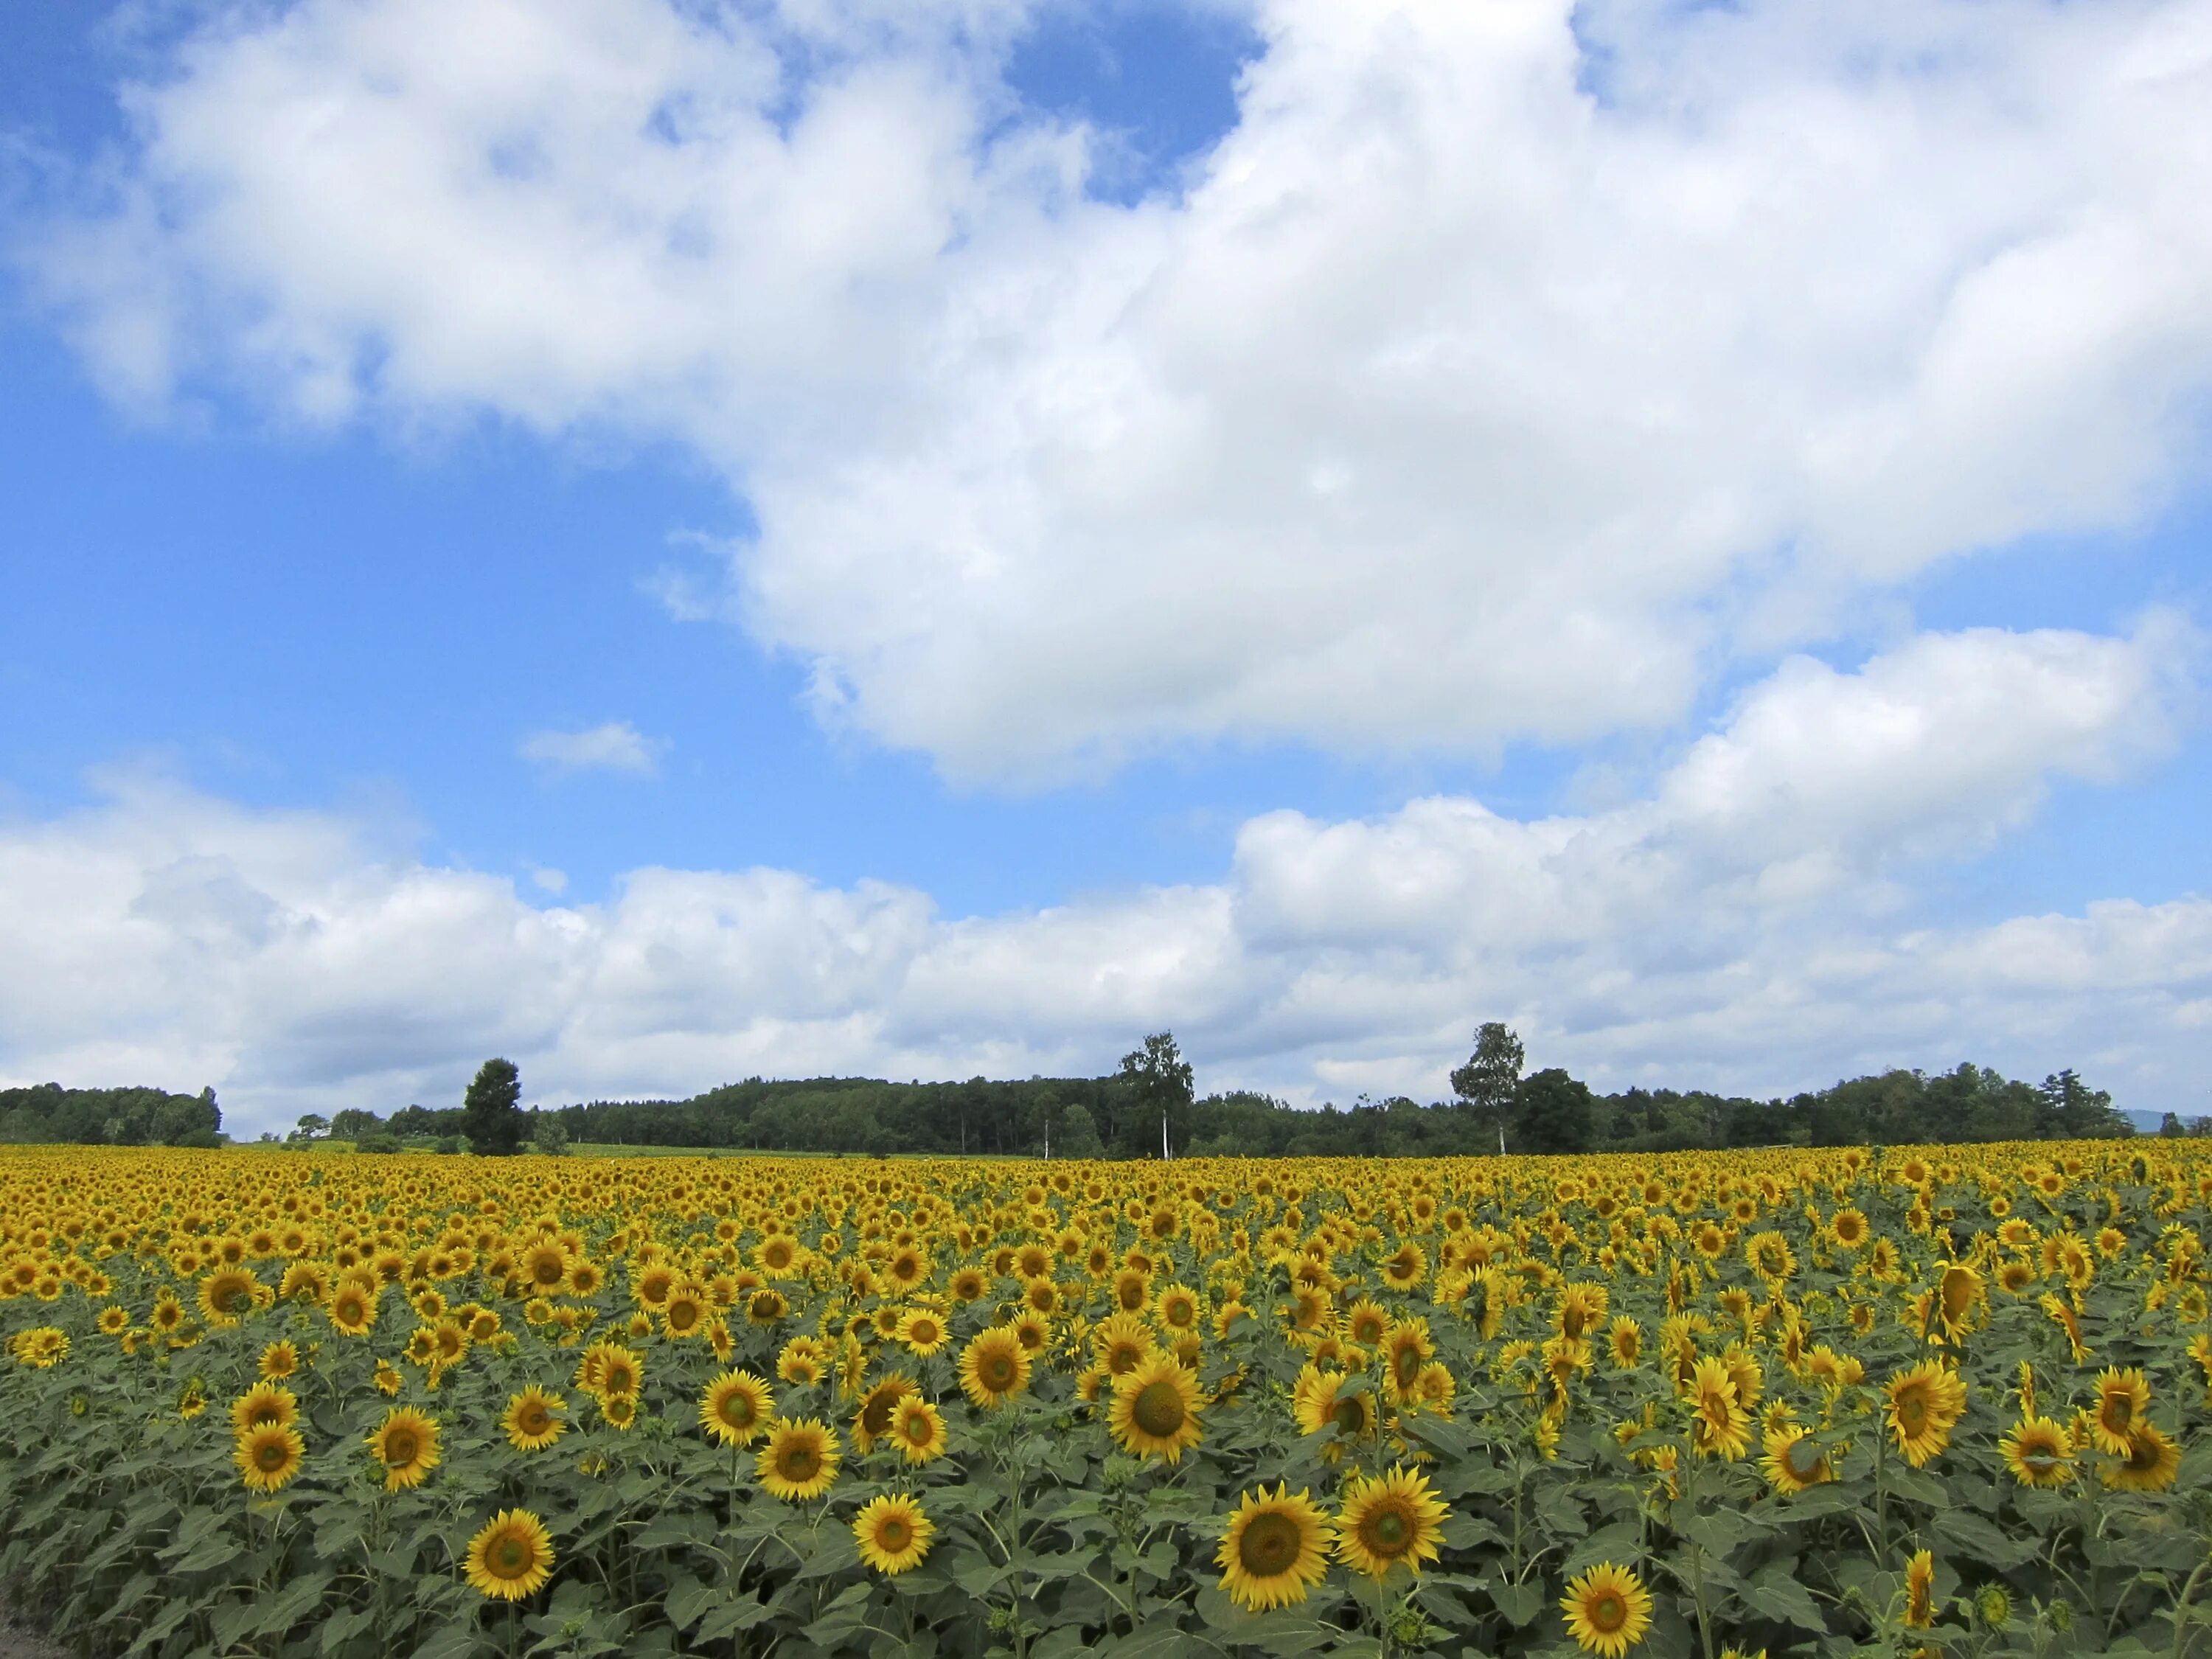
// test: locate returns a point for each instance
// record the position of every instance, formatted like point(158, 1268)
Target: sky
point(674, 541)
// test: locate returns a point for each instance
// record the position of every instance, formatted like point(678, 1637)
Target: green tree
point(355, 1123)
point(491, 1112)
point(1554, 1113)
point(1159, 1079)
point(2073, 1109)
point(1485, 1086)
point(1078, 1134)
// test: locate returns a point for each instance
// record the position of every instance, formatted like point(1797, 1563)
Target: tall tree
point(491, 1112)
point(1078, 1135)
point(1554, 1113)
point(1487, 1084)
point(1160, 1080)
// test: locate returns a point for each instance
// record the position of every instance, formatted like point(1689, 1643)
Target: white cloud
point(1504, 370)
point(1738, 925)
point(615, 746)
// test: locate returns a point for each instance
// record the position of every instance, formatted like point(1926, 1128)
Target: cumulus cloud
point(1503, 369)
point(1738, 925)
point(614, 746)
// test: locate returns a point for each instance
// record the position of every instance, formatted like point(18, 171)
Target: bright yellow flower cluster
point(1334, 1361)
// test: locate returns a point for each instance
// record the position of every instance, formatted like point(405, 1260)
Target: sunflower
point(994, 1367)
point(533, 1420)
point(1122, 1342)
point(1275, 1550)
point(352, 1309)
point(685, 1313)
point(923, 1331)
point(511, 1557)
point(263, 1404)
point(799, 1461)
point(1365, 1321)
point(968, 1284)
point(2151, 1463)
point(2038, 1451)
point(2065, 1318)
point(1580, 1308)
point(1771, 1258)
point(767, 1308)
point(893, 1533)
point(1178, 1308)
point(278, 1361)
point(1387, 1519)
point(1719, 1424)
point(1607, 1610)
point(872, 1421)
point(406, 1445)
point(1625, 1337)
point(735, 1407)
point(1319, 1401)
point(228, 1295)
point(1924, 1402)
point(1958, 1295)
point(799, 1365)
point(448, 1342)
point(544, 1268)
point(1133, 1289)
point(608, 1368)
point(2123, 1397)
point(1155, 1410)
point(1409, 1267)
point(1849, 1229)
point(1793, 1460)
point(1406, 1347)
point(2017, 1277)
point(918, 1431)
point(1919, 1590)
point(115, 1321)
point(269, 1456)
point(386, 1377)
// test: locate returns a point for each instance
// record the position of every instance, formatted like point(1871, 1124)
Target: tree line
point(1146, 1109)
point(1148, 1106)
point(112, 1117)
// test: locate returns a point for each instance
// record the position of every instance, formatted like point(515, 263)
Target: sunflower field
point(1915, 1402)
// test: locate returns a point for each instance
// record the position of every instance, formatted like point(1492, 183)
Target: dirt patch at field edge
point(16, 1643)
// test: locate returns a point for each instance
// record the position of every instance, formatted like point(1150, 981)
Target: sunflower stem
point(2181, 1610)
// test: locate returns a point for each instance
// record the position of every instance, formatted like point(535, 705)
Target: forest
point(1148, 1106)
point(109, 1117)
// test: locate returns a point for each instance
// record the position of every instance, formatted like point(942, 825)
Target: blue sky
point(1231, 685)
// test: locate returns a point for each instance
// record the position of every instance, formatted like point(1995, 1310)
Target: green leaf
point(687, 1600)
point(1974, 1537)
point(1776, 1593)
point(1159, 1639)
point(1621, 1543)
point(340, 1627)
point(834, 1551)
point(742, 1613)
point(842, 1616)
point(1520, 1603)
